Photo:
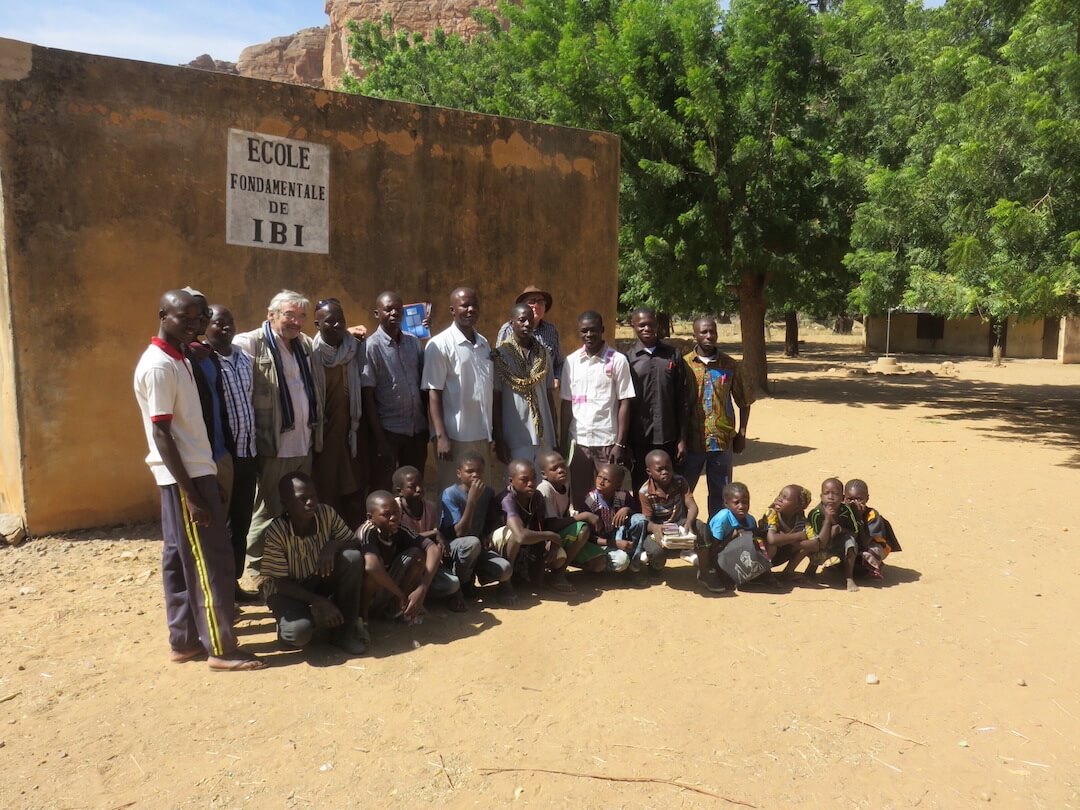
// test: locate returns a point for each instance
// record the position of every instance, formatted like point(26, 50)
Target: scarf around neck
point(288, 416)
point(522, 376)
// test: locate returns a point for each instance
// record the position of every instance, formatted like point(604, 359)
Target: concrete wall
point(112, 180)
point(1025, 338)
point(970, 336)
point(1069, 339)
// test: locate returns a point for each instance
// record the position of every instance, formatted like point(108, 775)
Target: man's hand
point(222, 494)
point(619, 455)
point(738, 442)
point(502, 452)
point(383, 448)
point(326, 613)
point(624, 545)
point(680, 451)
point(442, 447)
point(414, 604)
point(444, 547)
point(197, 509)
point(358, 332)
point(324, 566)
point(621, 517)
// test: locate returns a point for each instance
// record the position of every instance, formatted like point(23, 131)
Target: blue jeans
point(717, 466)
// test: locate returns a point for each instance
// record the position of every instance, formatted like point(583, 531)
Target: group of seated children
point(319, 576)
point(842, 525)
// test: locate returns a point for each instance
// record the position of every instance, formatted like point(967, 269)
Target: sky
point(165, 31)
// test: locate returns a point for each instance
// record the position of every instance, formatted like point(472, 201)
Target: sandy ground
point(760, 697)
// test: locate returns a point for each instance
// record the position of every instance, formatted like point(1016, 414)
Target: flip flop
point(243, 662)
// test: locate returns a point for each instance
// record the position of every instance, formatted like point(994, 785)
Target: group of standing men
point(228, 418)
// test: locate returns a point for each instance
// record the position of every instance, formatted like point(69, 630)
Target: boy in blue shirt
point(739, 555)
point(470, 512)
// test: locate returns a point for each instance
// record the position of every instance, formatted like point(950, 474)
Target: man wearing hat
point(539, 301)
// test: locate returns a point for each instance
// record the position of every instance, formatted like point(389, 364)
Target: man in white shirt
point(289, 416)
point(196, 560)
point(459, 379)
point(596, 391)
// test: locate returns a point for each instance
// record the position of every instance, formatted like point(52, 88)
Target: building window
point(929, 327)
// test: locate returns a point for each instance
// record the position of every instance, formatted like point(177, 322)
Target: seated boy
point(402, 569)
point(836, 530)
point(876, 537)
point(621, 530)
point(312, 571)
point(470, 513)
point(667, 503)
point(738, 554)
point(420, 517)
point(789, 538)
point(525, 516)
point(577, 530)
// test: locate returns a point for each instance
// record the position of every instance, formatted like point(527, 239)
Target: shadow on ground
point(1049, 414)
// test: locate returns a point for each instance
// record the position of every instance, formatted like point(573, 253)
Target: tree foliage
point(982, 215)
point(785, 154)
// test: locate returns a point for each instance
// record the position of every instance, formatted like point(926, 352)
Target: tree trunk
point(791, 333)
point(752, 306)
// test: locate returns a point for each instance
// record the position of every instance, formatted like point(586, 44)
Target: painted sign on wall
point(276, 193)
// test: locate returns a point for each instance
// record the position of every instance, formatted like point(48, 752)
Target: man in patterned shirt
point(312, 570)
point(713, 383)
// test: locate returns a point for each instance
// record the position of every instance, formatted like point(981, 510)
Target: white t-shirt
point(165, 390)
point(462, 370)
point(594, 386)
point(556, 504)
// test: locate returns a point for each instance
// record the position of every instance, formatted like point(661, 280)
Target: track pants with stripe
point(198, 572)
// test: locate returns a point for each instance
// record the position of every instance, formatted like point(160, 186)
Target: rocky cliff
point(319, 57)
point(297, 59)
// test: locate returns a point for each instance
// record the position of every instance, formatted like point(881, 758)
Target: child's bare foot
point(180, 656)
point(506, 595)
point(560, 583)
point(851, 586)
point(456, 603)
point(237, 662)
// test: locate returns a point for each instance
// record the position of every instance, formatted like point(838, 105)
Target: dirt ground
point(761, 697)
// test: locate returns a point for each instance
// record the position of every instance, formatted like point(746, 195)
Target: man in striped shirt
point(313, 570)
point(236, 382)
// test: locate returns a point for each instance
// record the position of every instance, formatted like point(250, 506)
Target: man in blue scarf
point(288, 393)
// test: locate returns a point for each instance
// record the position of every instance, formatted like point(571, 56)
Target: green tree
point(725, 173)
point(983, 213)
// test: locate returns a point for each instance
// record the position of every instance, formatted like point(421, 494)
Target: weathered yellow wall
point(1069, 340)
point(969, 336)
point(113, 181)
point(11, 483)
point(1025, 338)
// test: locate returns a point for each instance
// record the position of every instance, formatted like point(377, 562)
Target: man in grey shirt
point(394, 405)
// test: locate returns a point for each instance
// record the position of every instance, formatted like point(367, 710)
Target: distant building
point(923, 333)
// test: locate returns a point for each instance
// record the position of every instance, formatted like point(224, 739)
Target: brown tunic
point(335, 471)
